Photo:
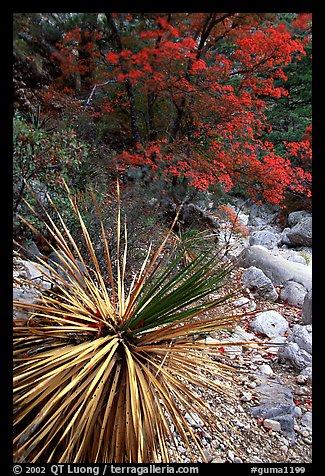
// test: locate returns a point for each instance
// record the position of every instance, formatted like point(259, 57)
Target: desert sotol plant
point(103, 373)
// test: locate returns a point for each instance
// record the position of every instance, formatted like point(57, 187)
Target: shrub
point(42, 157)
point(102, 372)
point(230, 224)
point(44, 154)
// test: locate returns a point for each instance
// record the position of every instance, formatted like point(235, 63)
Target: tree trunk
point(178, 119)
point(128, 86)
point(88, 31)
point(151, 125)
point(204, 34)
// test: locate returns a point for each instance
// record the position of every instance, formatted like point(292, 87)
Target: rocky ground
point(246, 438)
point(260, 440)
point(271, 421)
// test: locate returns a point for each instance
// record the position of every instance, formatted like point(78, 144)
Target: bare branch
point(88, 101)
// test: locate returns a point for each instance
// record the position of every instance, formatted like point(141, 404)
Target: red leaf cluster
point(204, 105)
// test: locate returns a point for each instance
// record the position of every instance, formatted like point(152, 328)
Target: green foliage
point(306, 256)
point(42, 158)
point(43, 154)
point(291, 115)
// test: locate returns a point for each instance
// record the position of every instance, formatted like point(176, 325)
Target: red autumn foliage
point(197, 111)
point(230, 223)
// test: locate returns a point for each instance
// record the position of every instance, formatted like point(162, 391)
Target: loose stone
point(272, 424)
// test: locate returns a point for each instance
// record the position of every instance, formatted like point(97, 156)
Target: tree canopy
point(198, 99)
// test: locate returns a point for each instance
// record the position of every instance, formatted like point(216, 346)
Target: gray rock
point(302, 390)
point(245, 303)
point(41, 191)
point(278, 269)
point(298, 350)
point(301, 379)
point(242, 301)
point(275, 343)
point(284, 240)
point(293, 293)
point(264, 214)
point(246, 397)
point(23, 295)
point(37, 273)
point(276, 403)
point(287, 423)
point(302, 335)
point(296, 258)
point(266, 369)
point(218, 460)
point(194, 420)
point(307, 309)
point(239, 335)
point(204, 200)
point(291, 352)
point(307, 421)
point(308, 373)
point(264, 238)
point(272, 424)
point(298, 412)
point(56, 260)
point(208, 456)
point(270, 323)
point(229, 349)
point(259, 284)
point(301, 233)
point(275, 399)
point(30, 251)
point(296, 217)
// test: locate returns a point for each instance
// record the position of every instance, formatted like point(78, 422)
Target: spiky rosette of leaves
point(105, 374)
